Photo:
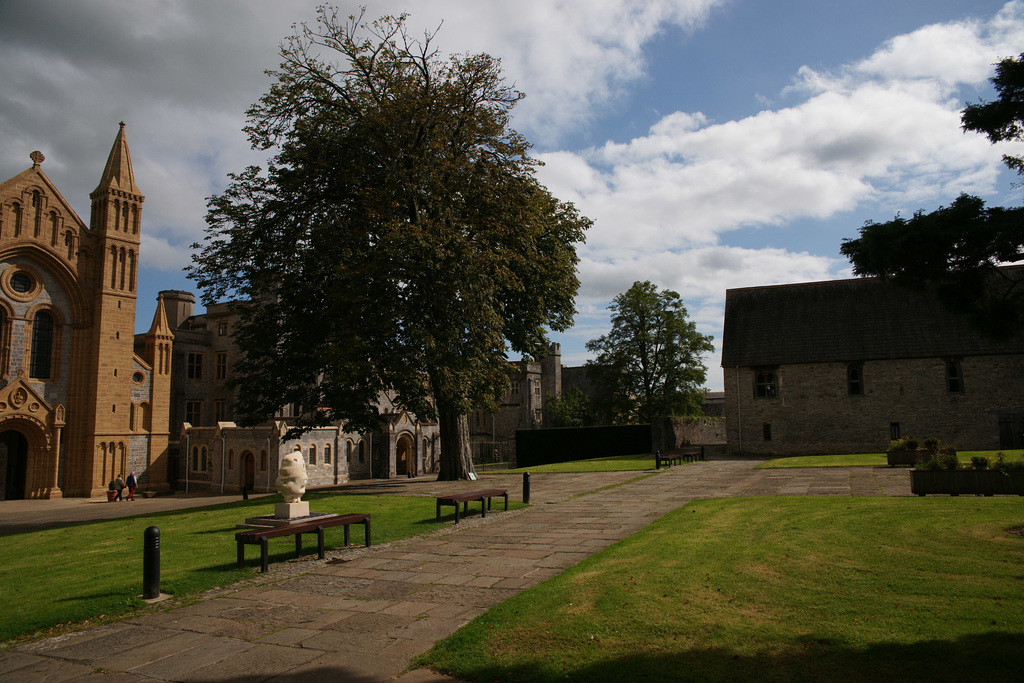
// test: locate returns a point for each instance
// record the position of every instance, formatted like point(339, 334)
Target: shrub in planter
point(979, 462)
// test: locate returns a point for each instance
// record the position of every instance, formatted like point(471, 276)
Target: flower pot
point(111, 495)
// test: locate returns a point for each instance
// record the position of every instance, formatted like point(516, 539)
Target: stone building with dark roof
point(845, 366)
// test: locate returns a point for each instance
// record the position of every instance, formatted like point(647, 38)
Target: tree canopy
point(398, 242)
point(958, 250)
point(649, 364)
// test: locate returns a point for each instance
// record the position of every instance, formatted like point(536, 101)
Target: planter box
point(966, 482)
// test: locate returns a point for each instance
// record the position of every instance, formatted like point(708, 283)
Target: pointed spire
point(118, 173)
point(160, 328)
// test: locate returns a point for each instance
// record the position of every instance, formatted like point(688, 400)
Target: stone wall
point(813, 412)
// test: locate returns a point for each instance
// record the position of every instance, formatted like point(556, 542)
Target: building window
point(195, 458)
point(220, 410)
point(954, 378)
point(312, 455)
point(362, 452)
point(855, 380)
point(193, 409)
point(516, 387)
point(222, 365)
point(222, 329)
point(231, 459)
point(894, 431)
point(195, 366)
point(766, 431)
point(204, 460)
point(42, 346)
point(766, 384)
point(327, 455)
point(263, 461)
point(348, 452)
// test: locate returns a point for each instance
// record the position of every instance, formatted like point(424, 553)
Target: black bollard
point(151, 564)
point(526, 488)
point(245, 493)
point(657, 460)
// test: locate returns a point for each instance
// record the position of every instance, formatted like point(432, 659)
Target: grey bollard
point(526, 488)
point(151, 564)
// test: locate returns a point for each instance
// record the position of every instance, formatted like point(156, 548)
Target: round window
point(138, 378)
point(21, 282)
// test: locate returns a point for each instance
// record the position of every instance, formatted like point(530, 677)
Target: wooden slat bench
point(318, 524)
point(483, 496)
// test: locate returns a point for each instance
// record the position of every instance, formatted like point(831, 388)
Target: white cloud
point(883, 131)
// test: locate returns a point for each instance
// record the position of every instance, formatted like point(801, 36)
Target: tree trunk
point(456, 457)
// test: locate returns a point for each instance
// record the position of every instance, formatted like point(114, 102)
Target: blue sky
point(715, 143)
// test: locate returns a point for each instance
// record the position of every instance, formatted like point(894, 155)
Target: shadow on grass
point(995, 655)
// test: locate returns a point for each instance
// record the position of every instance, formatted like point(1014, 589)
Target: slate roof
point(845, 321)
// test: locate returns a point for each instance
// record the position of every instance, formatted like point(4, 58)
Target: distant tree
point(957, 250)
point(571, 408)
point(649, 364)
point(399, 240)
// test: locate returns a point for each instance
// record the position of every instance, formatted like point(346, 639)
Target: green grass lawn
point(866, 459)
point(93, 572)
point(614, 463)
point(773, 589)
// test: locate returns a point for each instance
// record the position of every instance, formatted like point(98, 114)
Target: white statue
point(291, 477)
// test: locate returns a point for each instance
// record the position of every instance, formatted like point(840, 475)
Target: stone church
point(79, 403)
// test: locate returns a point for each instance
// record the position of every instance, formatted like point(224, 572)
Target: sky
point(715, 144)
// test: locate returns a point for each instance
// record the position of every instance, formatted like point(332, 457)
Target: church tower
point(159, 342)
point(115, 220)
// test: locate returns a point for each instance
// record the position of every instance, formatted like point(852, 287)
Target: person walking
point(119, 485)
point(132, 483)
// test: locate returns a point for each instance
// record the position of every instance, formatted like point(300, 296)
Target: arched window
point(37, 204)
point(203, 460)
point(327, 455)
point(362, 451)
point(54, 228)
point(348, 452)
point(195, 458)
point(312, 455)
point(42, 346)
point(263, 461)
point(16, 210)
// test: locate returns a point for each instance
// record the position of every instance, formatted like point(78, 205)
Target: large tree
point(399, 240)
point(649, 364)
point(957, 250)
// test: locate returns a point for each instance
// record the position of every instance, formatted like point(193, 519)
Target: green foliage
point(399, 241)
point(1002, 119)
point(649, 365)
point(571, 408)
point(979, 462)
point(771, 589)
point(903, 444)
point(947, 460)
point(1001, 464)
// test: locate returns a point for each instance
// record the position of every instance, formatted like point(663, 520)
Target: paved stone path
point(363, 614)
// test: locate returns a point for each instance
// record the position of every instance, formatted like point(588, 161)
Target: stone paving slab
point(364, 613)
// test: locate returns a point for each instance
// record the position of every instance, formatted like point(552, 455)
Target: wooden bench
point(668, 460)
point(483, 496)
point(317, 524)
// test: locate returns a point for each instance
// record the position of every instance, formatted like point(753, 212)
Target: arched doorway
point(248, 471)
point(14, 466)
point(405, 455)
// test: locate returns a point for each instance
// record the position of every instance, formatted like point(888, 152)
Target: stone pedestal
point(291, 510)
